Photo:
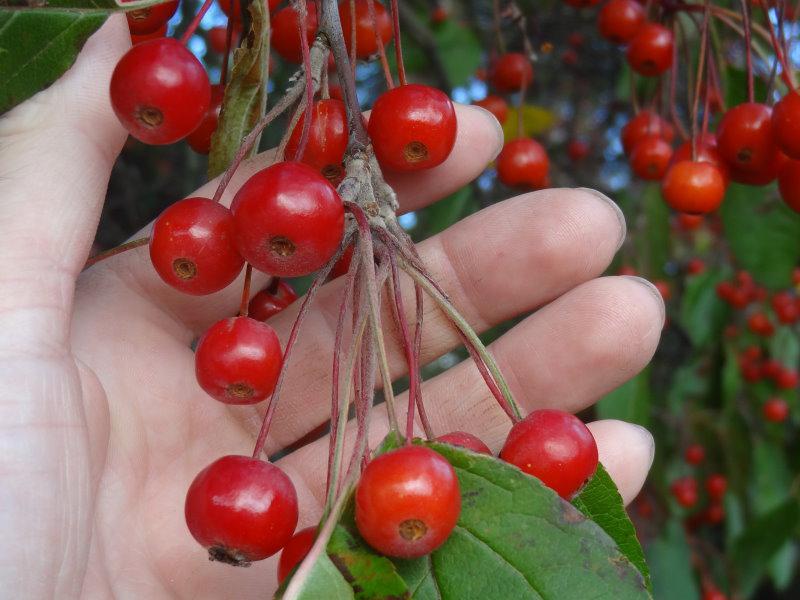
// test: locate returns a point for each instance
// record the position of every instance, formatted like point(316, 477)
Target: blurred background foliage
point(697, 390)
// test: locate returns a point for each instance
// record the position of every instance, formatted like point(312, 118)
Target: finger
point(566, 356)
point(70, 133)
point(478, 142)
point(626, 451)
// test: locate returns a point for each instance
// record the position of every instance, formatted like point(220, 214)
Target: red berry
point(158, 33)
point(200, 138)
point(644, 125)
point(620, 20)
point(751, 372)
point(413, 127)
point(193, 246)
point(716, 486)
point(577, 150)
point(705, 151)
point(576, 39)
point(695, 266)
point(650, 158)
point(776, 410)
point(242, 509)
point(785, 307)
point(763, 175)
point(786, 124)
point(715, 513)
point(342, 265)
point(725, 290)
point(627, 270)
point(327, 139)
point(286, 32)
point(295, 551)
point(407, 502)
point(289, 220)
point(523, 162)
point(218, 37)
point(684, 490)
point(439, 15)
point(570, 57)
point(267, 302)
point(465, 440)
point(712, 593)
point(695, 454)
point(582, 3)
point(663, 289)
point(366, 44)
point(554, 446)
point(689, 222)
point(495, 105)
point(745, 138)
point(760, 324)
point(693, 187)
point(150, 18)
point(771, 369)
point(512, 72)
point(650, 50)
point(789, 184)
point(787, 379)
point(752, 353)
point(238, 360)
point(160, 91)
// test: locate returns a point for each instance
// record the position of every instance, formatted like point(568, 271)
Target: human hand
point(104, 425)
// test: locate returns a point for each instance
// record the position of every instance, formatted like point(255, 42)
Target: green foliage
point(629, 402)
point(668, 557)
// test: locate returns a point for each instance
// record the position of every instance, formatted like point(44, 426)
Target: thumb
point(56, 153)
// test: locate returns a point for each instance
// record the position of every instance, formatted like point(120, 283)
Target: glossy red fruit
point(763, 175)
point(242, 509)
point(775, 410)
point(715, 513)
point(233, 8)
point(789, 184)
point(160, 91)
point(712, 593)
point(289, 220)
point(787, 379)
point(620, 20)
point(695, 266)
point(193, 246)
point(366, 44)
point(413, 127)
point(684, 490)
point(760, 324)
point(218, 37)
point(554, 446)
point(663, 288)
point(771, 369)
point(786, 124)
point(327, 139)
point(512, 72)
point(650, 158)
point(689, 222)
point(238, 360)
point(200, 139)
point(150, 18)
point(286, 32)
point(342, 266)
point(745, 137)
point(577, 150)
point(695, 454)
point(145, 37)
point(716, 486)
point(465, 440)
point(269, 302)
point(523, 162)
point(439, 15)
point(643, 125)
point(705, 151)
point(295, 551)
point(693, 187)
point(495, 105)
point(627, 270)
point(650, 50)
point(407, 502)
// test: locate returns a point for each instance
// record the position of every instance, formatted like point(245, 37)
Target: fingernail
point(498, 129)
point(653, 290)
point(623, 228)
point(647, 439)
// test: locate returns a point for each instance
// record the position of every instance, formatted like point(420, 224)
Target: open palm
point(103, 426)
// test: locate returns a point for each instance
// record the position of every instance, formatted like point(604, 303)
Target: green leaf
point(38, 46)
point(772, 476)
point(760, 543)
point(516, 539)
point(764, 237)
point(629, 402)
point(444, 213)
point(600, 501)
point(670, 566)
point(782, 566)
point(535, 121)
point(702, 313)
point(653, 244)
point(459, 49)
point(245, 95)
point(323, 581)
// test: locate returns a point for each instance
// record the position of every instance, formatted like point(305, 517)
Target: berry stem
point(116, 250)
point(301, 315)
point(779, 53)
point(300, 6)
point(353, 37)
point(701, 60)
point(501, 44)
point(187, 35)
point(387, 73)
point(243, 305)
point(398, 47)
point(748, 50)
point(223, 76)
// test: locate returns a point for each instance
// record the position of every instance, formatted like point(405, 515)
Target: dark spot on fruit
point(184, 268)
point(242, 391)
point(227, 556)
point(139, 15)
point(282, 246)
point(412, 529)
point(150, 116)
point(332, 173)
point(744, 155)
point(415, 152)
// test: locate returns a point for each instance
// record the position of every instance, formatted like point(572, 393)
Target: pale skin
point(103, 426)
